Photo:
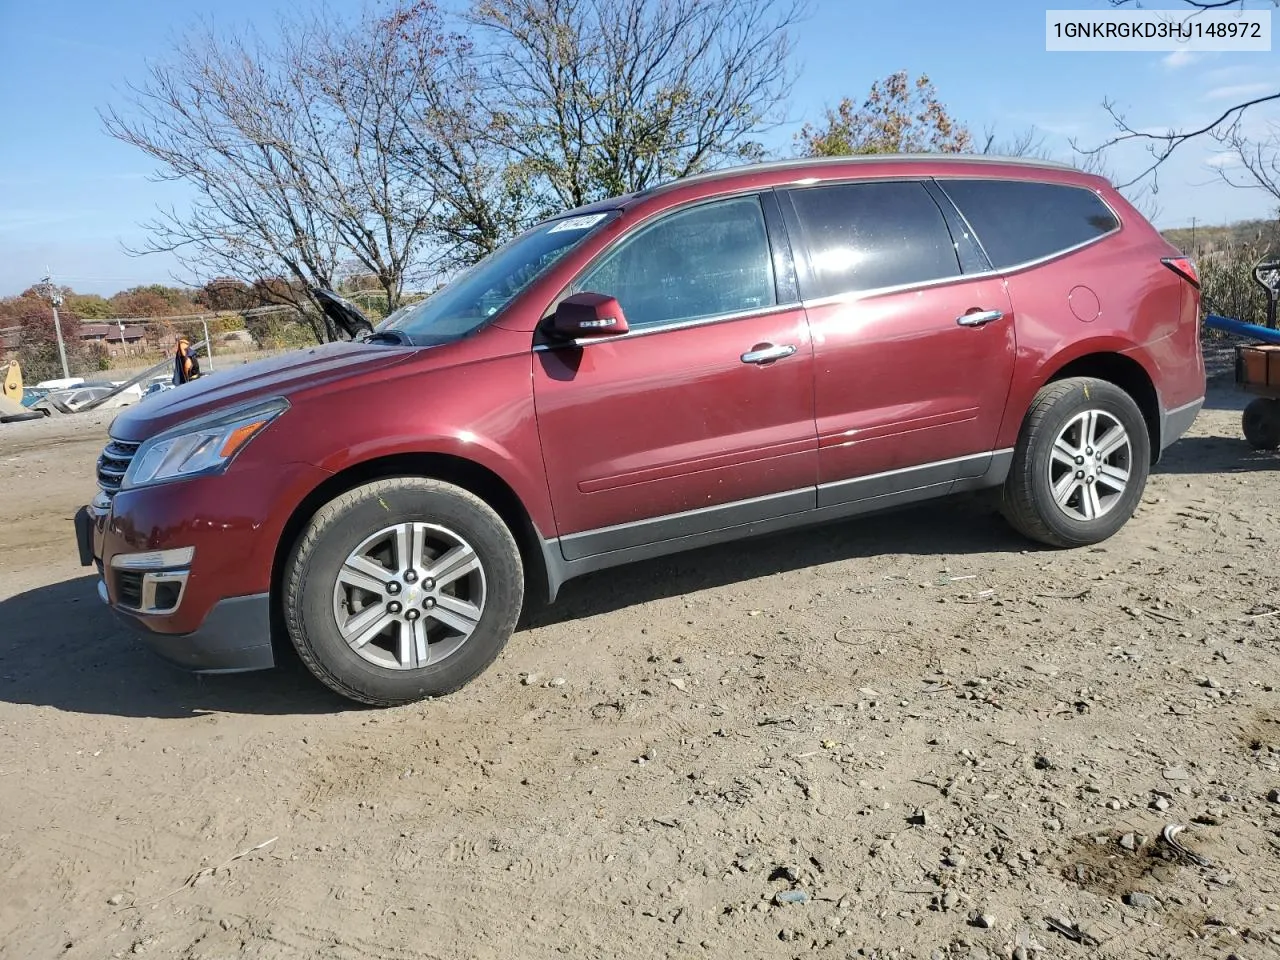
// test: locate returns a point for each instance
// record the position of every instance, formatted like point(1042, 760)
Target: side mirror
point(588, 315)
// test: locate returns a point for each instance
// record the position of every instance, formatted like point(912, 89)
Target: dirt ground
point(907, 736)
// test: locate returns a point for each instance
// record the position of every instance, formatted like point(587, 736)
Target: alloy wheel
point(409, 596)
point(1090, 464)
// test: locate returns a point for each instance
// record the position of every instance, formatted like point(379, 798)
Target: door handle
point(979, 318)
point(769, 353)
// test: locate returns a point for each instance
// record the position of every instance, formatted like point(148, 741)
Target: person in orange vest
point(186, 367)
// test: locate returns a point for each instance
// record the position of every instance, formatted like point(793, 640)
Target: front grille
point(113, 463)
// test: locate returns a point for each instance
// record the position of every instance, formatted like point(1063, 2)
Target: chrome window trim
point(1022, 265)
point(962, 278)
point(852, 295)
point(900, 288)
point(835, 298)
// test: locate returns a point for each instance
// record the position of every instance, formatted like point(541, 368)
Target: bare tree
point(1257, 159)
point(594, 98)
point(1028, 143)
point(364, 89)
point(297, 150)
point(1225, 127)
point(483, 194)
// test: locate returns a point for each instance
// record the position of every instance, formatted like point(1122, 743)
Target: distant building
point(117, 338)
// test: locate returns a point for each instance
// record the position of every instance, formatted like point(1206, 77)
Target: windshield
point(472, 298)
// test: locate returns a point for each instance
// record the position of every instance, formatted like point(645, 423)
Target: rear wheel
point(1261, 423)
point(1080, 465)
point(402, 589)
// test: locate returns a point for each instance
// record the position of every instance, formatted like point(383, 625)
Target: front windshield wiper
point(388, 336)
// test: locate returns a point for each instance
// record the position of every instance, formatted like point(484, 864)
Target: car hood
point(281, 376)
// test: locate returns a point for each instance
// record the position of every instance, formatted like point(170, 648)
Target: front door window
point(706, 261)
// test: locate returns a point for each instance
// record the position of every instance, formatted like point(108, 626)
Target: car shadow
point(61, 647)
point(964, 524)
point(955, 526)
point(1226, 396)
point(1204, 455)
point(1218, 454)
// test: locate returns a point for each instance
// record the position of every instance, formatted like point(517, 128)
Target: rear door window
point(865, 236)
point(1018, 221)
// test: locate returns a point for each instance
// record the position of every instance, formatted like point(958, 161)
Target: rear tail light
point(1184, 267)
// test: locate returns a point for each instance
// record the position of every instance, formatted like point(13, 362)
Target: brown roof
point(110, 331)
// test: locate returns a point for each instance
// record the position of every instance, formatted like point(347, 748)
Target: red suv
point(731, 354)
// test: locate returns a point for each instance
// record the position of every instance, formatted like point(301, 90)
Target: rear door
point(914, 342)
point(701, 416)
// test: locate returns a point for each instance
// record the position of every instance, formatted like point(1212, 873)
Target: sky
point(72, 198)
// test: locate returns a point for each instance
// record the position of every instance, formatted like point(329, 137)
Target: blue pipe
point(1242, 329)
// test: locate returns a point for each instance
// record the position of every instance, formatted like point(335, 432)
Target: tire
point(1261, 423)
point(370, 523)
point(1063, 410)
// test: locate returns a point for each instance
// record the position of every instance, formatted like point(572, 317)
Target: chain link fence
point(109, 348)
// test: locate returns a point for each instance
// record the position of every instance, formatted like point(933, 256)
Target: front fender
point(509, 466)
point(480, 411)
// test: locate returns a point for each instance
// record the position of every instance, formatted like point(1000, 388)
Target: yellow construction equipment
point(11, 386)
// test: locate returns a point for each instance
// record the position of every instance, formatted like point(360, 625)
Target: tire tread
point(1018, 498)
point(296, 574)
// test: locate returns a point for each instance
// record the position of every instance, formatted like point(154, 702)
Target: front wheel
point(402, 589)
point(1080, 465)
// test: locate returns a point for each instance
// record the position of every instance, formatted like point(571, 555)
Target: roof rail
point(801, 162)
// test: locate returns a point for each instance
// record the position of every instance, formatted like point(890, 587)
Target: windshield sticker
point(577, 223)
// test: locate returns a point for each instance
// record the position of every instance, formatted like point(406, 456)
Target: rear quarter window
point(1019, 221)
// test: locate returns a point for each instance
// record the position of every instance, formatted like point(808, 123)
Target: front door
point(701, 416)
point(913, 354)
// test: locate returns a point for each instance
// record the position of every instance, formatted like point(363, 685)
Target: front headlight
point(200, 447)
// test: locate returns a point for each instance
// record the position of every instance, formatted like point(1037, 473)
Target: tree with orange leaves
point(899, 115)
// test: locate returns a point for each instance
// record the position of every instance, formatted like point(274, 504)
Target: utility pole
point(55, 298)
point(1194, 249)
point(208, 342)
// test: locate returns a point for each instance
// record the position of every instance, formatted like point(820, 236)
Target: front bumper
point(187, 566)
point(235, 637)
